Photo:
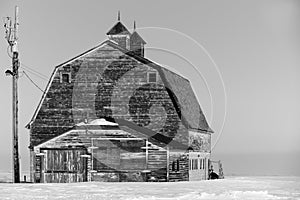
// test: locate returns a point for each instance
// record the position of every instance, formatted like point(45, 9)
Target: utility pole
point(12, 37)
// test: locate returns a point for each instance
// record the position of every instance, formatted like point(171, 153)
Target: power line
point(30, 70)
point(33, 71)
point(33, 82)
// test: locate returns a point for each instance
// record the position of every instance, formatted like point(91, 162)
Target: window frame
point(148, 77)
point(65, 73)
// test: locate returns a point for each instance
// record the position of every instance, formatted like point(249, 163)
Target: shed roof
point(128, 129)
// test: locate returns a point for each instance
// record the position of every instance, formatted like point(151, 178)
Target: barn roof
point(188, 105)
point(185, 102)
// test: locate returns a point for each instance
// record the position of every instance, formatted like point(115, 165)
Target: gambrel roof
point(182, 94)
point(187, 105)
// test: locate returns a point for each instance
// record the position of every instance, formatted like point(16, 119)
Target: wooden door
point(63, 165)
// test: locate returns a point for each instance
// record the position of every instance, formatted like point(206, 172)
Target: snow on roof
point(101, 122)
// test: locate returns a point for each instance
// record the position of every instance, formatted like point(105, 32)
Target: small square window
point(65, 78)
point(152, 77)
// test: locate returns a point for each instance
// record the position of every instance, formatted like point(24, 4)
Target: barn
point(110, 114)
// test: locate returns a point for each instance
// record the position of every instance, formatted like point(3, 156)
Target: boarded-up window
point(106, 158)
point(132, 156)
point(107, 155)
point(119, 155)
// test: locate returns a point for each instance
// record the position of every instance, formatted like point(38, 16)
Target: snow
point(101, 121)
point(233, 188)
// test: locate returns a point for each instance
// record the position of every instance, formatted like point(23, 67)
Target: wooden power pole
point(12, 37)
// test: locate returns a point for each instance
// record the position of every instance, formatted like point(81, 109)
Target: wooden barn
point(110, 114)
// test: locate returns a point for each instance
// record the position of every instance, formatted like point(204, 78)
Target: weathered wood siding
point(118, 160)
point(157, 163)
point(178, 166)
point(61, 166)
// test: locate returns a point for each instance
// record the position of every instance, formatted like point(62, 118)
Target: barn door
point(64, 165)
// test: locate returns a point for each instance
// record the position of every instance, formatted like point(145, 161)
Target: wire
point(33, 71)
point(30, 70)
point(33, 82)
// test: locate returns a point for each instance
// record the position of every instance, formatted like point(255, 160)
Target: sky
point(241, 57)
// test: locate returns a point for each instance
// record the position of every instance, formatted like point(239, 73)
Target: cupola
point(120, 34)
point(136, 42)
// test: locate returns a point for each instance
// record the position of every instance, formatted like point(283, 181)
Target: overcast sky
point(245, 52)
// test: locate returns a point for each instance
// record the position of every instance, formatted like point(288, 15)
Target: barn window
point(65, 78)
point(175, 165)
point(152, 77)
point(194, 164)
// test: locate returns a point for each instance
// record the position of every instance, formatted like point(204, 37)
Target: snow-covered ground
point(244, 188)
